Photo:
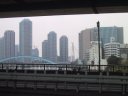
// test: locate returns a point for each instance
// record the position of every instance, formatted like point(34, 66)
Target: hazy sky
point(69, 25)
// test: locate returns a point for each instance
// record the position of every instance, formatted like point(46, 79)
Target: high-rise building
point(35, 52)
point(45, 49)
point(63, 49)
point(16, 50)
point(2, 48)
point(52, 46)
point(84, 44)
point(25, 42)
point(9, 44)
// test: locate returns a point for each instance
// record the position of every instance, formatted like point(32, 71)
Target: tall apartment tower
point(64, 49)
point(16, 50)
point(52, 46)
point(25, 42)
point(84, 44)
point(2, 48)
point(9, 44)
point(45, 49)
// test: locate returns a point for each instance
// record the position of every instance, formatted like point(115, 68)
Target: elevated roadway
point(62, 82)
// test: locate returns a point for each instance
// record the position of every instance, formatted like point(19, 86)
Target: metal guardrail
point(64, 67)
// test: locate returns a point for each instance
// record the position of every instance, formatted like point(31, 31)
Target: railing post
point(16, 68)
point(2, 67)
point(7, 68)
point(89, 68)
point(65, 72)
point(113, 68)
point(108, 68)
point(57, 69)
point(25, 70)
point(44, 69)
point(100, 88)
point(123, 89)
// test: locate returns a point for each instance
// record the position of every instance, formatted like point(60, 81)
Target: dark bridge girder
point(14, 8)
point(51, 92)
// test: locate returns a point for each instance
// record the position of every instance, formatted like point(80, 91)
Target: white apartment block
point(94, 53)
point(94, 56)
point(112, 48)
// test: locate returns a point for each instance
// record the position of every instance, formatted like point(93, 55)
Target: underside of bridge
point(19, 8)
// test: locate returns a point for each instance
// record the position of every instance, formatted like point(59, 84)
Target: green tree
point(113, 60)
point(125, 62)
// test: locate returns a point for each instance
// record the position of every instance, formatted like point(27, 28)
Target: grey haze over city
point(69, 25)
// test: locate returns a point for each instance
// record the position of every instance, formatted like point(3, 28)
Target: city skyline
point(69, 25)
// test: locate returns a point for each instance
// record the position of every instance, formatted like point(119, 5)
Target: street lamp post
point(98, 27)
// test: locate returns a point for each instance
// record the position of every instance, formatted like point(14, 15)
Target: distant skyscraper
point(16, 50)
point(84, 44)
point(25, 42)
point(35, 52)
point(45, 49)
point(64, 49)
point(9, 44)
point(52, 46)
point(2, 48)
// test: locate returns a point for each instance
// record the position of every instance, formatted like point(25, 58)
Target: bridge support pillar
point(123, 89)
point(77, 89)
point(25, 71)
point(100, 88)
point(35, 85)
point(65, 72)
point(124, 74)
point(56, 87)
point(56, 72)
point(35, 71)
point(7, 69)
point(15, 84)
point(100, 73)
point(86, 73)
point(44, 71)
point(107, 73)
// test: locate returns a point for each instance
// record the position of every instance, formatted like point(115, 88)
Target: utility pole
point(98, 27)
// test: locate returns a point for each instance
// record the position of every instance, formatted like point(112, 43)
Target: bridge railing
point(64, 67)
